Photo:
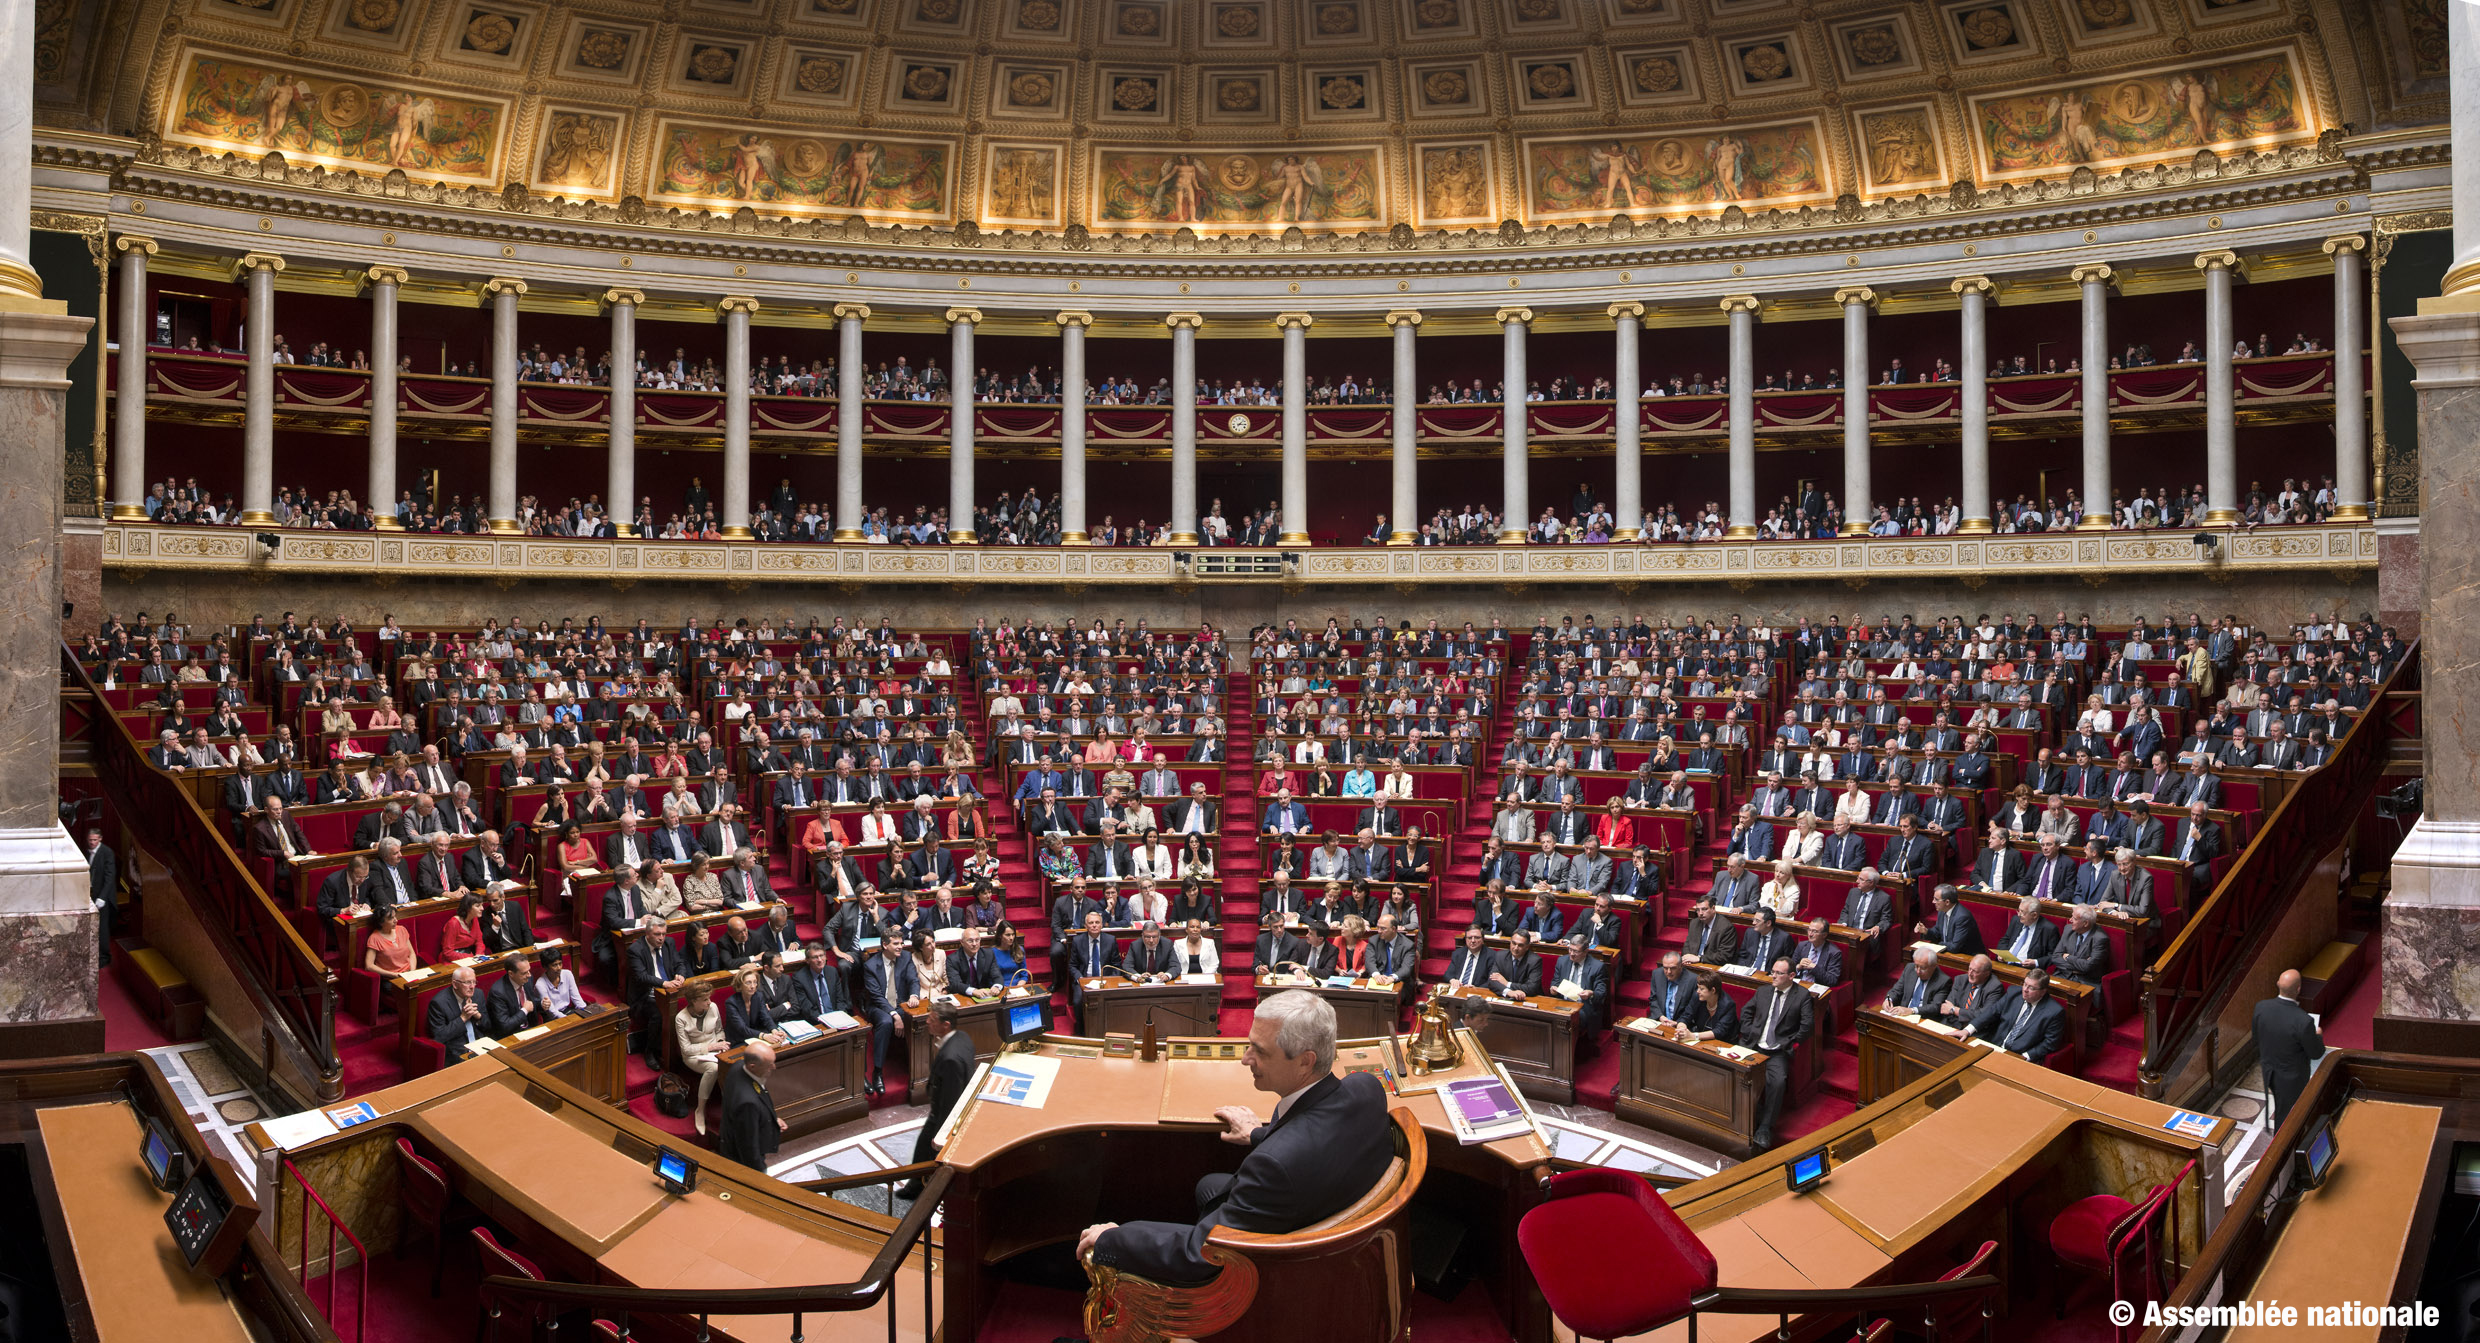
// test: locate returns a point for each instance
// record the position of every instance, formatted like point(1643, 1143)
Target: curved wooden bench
point(1347, 1278)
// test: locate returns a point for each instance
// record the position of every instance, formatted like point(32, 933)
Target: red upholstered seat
point(1611, 1257)
point(2080, 1234)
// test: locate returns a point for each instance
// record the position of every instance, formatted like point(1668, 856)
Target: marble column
point(736, 310)
point(1294, 530)
point(384, 282)
point(258, 389)
point(620, 467)
point(1404, 422)
point(20, 288)
point(2431, 926)
point(960, 366)
point(1515, 464)
point(1974, 291)
point(136, 319)
point(503, 294)
point(1184, 327)
point(1072, 326)
point(1856, 301)
point(848, 419)
point(2351, 502)
point(2221, 416)
point(2093, 358)
point(1741, 519)
point(1627, 488)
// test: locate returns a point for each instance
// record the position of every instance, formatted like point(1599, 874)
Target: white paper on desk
point(1933, 946)
point(948, 936)
point(839, 1021)
point(751, 904)
point(548, 943)
point(1733, 969)
point(1201, 979)
point(796, 1030)
point(298, 1130)
point(1021, 1079)
point(1571, 992)
point(483, 1046)
point(529, 1033)
point(1819, 990)
point(419, 972)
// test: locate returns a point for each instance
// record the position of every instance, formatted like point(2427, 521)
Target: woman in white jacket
point(1194, 952)
point(1852, 805)
point(1805, 843)
point(1153, 858)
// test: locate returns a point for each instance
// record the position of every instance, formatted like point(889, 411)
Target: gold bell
point(1436, 1048)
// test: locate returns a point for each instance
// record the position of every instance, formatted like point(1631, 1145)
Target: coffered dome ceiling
point(1234, 116)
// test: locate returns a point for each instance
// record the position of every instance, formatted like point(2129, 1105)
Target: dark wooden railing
point(623, 1306)
point(2193, 977)
point(290, 983)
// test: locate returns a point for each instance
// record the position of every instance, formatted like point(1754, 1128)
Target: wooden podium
point(1689, 1089)
point(817, 1082)
point(1535, 1037)
point(1120, 1006)
point(1361, 1011)
point(979, 1020)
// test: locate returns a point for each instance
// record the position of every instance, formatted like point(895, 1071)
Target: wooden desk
point(978, 1019)
point(587, 1049)
point(1534, 1037)
point(1689, 1089)
point(403, 992)
point(1361, 1010)
point(2346, 1239)
point(137, 1283)
point(1896, 1049)
point(2078, 997)
point(817, 1083)
point(1121, 1005)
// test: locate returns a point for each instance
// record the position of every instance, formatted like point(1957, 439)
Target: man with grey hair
point(1326, 1145)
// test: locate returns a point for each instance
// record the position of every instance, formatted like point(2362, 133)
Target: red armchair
point(1611, 1257)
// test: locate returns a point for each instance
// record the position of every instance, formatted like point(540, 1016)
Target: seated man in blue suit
point(1327, 1143)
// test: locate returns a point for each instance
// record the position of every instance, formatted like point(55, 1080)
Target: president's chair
point(2103, 1235)
point(1611, 1257)
point(1347, 1279)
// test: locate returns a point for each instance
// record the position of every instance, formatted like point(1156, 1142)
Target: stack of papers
point(1483, 1109)
point(1020, 1079)
point(796, 1030)
point(839, 1021)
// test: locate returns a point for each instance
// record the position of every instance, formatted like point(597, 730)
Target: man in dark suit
point(1674, 990)
point(2028, 937)
point(951, 1066)
point(1764, 942)
point(2197, 843)
point(2050, 875)
point(1922, 987)
point(624, 906)
point(2082, 952)
point(279, 837)
point(509, 1006)
point(818, 986)
point(2030, 1023)
point(1951, 925)
point(1910, 853)
point(2288, 1044)
point(1582, 974)
point(1973, 992)
point(1475, 961)
point(653, 965)
point(1276, 946)
point(460, 1016)
point(1846, 850)
point(888, 982)
point(1776, 1019)
point(1326, 1145)
point(1712, 939)
point(1867, 907)
point(1091, 954)
point(751, 1132)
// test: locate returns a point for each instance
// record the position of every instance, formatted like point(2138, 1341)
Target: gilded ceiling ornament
point(1987, 29)
point(837, 6)
point(1342, 91)
point(1537, 11)
point(489, 33)
point(2100, 14)
point(374, 16)
point(602, 49)
point(1437, 13)
point(925, 82)
point(1139, 20)
point(936, 11)
point(1551, 81)
point(1877, 46)
point(1639, 6)
point(1239, 95)
point(806, 158)
point(1655, 74)
point(819, 74)
point(713, 65)
point(1237, 21)
point(1041, 16)
point(1764, 63)
point(1031, 89)
point(1134, 95)
point(345, 106)
point(1237, 172)
point(1337, 20)
point(1446, 86)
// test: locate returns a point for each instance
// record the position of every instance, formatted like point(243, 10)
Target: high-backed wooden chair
point(1347, 1279)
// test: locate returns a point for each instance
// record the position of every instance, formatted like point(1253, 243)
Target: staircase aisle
point(1235, 857)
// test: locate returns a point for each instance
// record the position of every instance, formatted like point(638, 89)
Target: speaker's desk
point(1364, 1009)
point(1120, 1139)
point(1534, 1036)
point(1115, 1004)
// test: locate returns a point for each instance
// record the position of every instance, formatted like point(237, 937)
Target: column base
point(624, 529)
point(128, 513)
point(2351, 513)
point(2221, 517)
point(386, 522)
point(1974, 527)
point(1627, 534)
point(48, 934)
point(737, 534)
point(2094, 522)
point(2431, 924)
point(847, 535)
point(1403, 538)
point(257, 517)
point(1293, 539)
point(1074, 539)
point(1740, 531)
point(1854, 529)
point(1184, 538)
point(962, 539)
point(1515, 538)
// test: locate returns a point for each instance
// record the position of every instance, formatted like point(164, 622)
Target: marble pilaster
point(1741, 517)
point(2093, 360)
point(1974, 291)
point(2221, 417)
point(1072, 326)
point(1515, 465)
point(2351, 463)
point(736, 313)
point(849, 514)
point(1404, 421)
point(1858, 511)
point(620, 465)
point(960, 367)
point(137, 327)
point(257, 272)
point(384, 281)
point(503, 294)
point(1184, 327)
point(1627, 430)
point(1295, 526)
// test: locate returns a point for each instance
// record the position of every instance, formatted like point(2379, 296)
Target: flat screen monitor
point(1026, 1018)
point(678, 1173)
point(2317, 1154)
point(165, 1165)
point(1806, 1171)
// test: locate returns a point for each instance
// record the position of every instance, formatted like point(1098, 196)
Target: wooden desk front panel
point(587, 1051)
point(1895, 1052)
point(1178, 1009)
point(981, 1022)
point(1692, 1093)
point(817, 1083)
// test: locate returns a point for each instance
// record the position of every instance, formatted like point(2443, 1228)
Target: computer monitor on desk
point(1025, 1019)
point(2316, 1155)
point(1806, 1171)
